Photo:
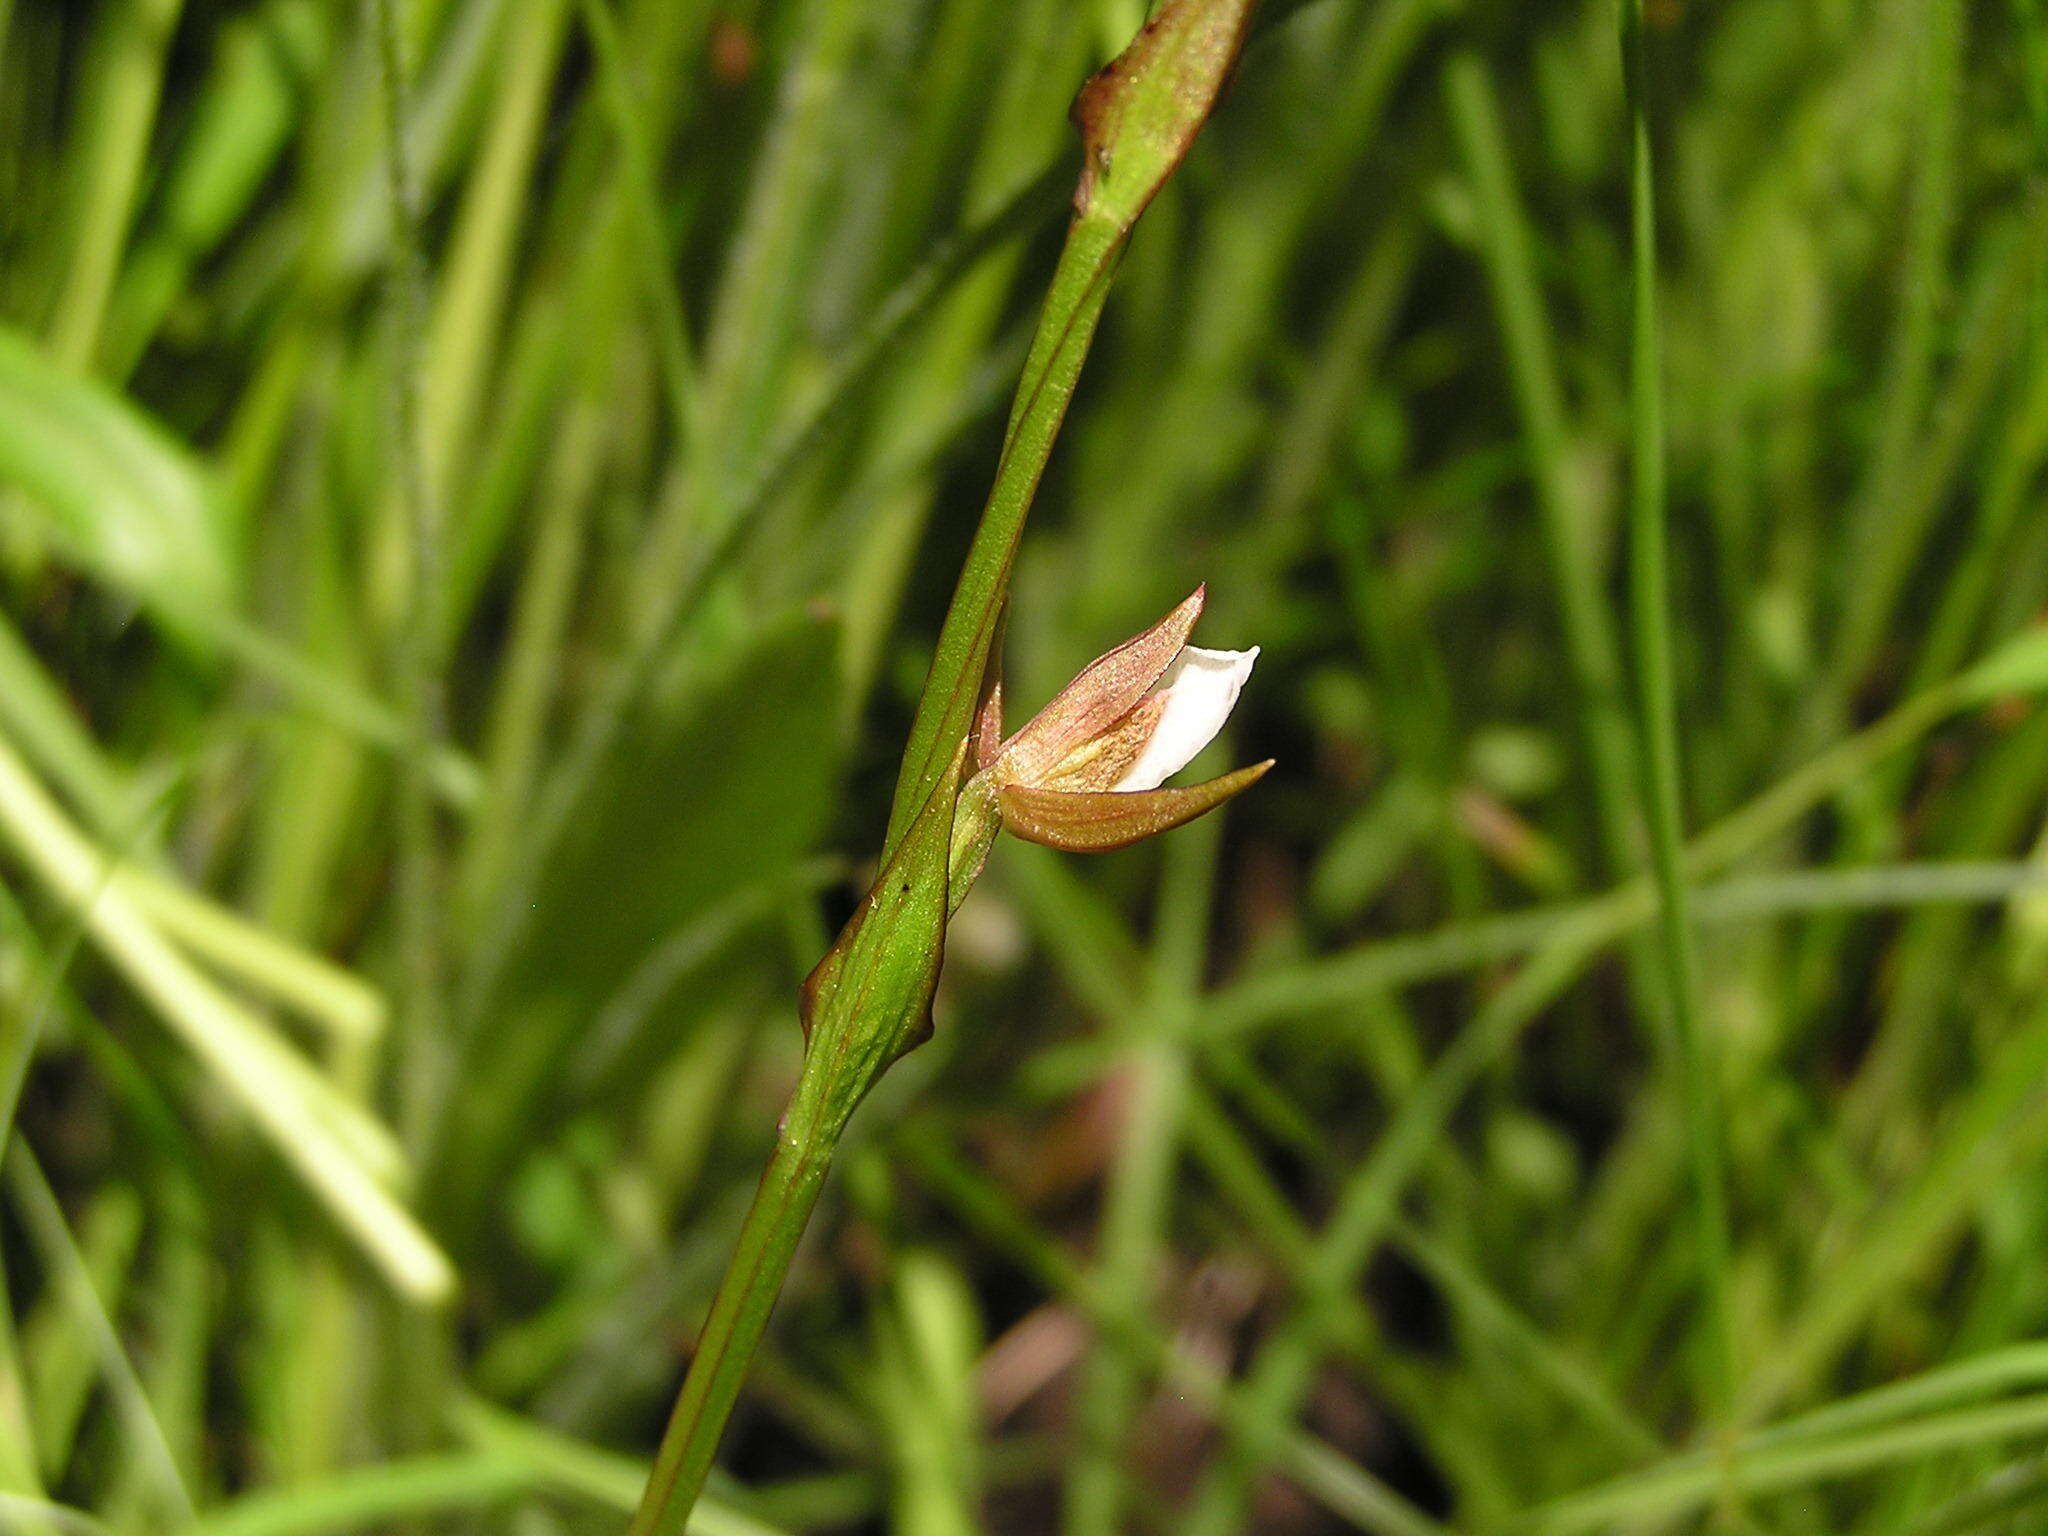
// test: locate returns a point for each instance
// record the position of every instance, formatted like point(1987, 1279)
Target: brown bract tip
point(1139, 113)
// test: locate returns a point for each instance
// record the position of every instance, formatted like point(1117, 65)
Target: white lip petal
point(1200, 688)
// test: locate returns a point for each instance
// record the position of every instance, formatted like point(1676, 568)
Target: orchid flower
point(1084, 774)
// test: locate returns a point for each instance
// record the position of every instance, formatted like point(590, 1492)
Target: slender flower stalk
point(1084, 773)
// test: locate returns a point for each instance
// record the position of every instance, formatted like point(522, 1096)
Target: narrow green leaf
point(2018, 666)
point(123, 500)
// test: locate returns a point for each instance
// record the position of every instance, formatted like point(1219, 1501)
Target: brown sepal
point(1101, 694)
point(1096, 821)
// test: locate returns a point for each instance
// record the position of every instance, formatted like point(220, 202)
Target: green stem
point(739, 1314)
point(1073, 306)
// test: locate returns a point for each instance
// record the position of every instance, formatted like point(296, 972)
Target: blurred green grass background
point(459, 627)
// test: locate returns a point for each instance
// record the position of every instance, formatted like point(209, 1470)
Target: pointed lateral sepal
point(1099, 820)
point(869, 1001)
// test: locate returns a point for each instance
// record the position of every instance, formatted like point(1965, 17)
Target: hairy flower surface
point(1084, 774)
